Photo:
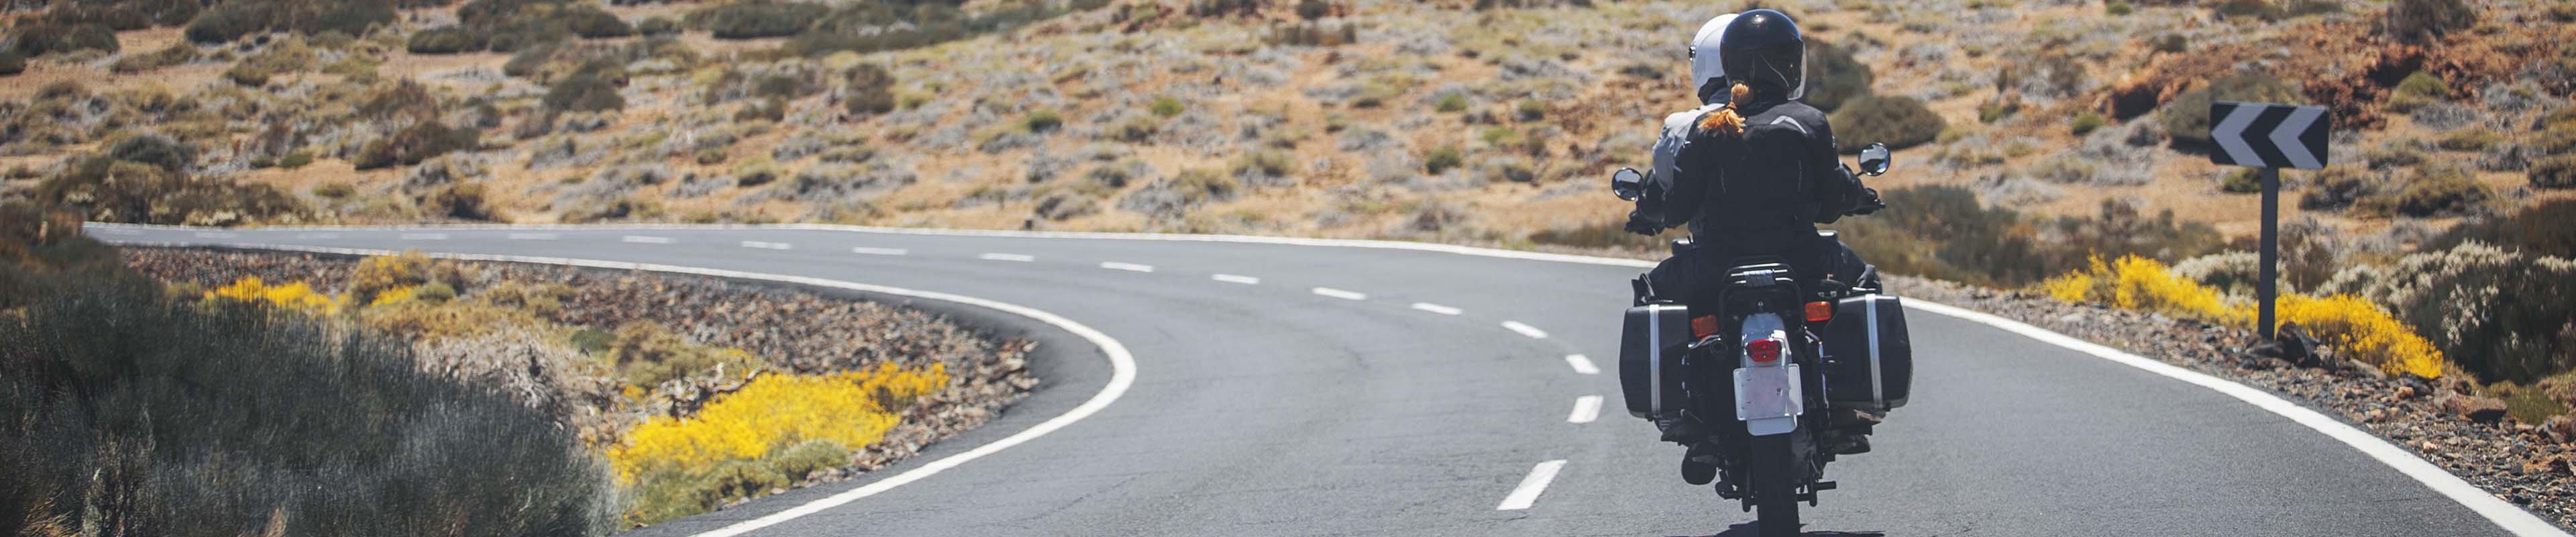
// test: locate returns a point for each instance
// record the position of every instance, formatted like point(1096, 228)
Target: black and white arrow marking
point(2269, 135)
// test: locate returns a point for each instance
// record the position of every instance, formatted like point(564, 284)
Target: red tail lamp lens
point(1702, 327)
point(1763, 351)
point(1818, 312)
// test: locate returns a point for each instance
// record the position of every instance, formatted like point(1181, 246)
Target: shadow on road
point(1748, 529)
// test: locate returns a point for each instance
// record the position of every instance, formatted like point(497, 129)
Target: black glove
point(1869, 202)
point(1641, 224)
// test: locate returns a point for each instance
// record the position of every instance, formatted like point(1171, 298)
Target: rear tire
point(1774, 485)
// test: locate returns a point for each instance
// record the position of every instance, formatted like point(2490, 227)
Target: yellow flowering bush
point(852, 409)
point(2361, 328)
point(2354, 325)
point(393, 295)
point(291, 295)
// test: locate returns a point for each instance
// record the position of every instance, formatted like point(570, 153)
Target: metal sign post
point(2271, 137)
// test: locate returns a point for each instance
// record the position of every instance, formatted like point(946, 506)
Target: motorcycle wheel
point(1774, 485)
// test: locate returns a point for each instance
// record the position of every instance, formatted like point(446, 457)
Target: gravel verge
point(2531, 465)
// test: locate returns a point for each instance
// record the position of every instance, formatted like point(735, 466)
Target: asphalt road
point(1394, 400)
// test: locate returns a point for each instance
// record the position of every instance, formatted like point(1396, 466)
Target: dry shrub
point(1899, 122)
point(114, 190)
point(2502, 314)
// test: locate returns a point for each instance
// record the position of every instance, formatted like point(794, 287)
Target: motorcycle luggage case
point(1869, 360)
point(1650, 358)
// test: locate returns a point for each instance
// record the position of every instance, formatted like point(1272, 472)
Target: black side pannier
point(1650, 359)
point(1869, 359)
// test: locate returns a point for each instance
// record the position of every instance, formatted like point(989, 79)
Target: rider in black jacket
point(1754, 178)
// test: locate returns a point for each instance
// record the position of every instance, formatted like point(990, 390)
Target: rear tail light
point(1703, 327)
point(1818, 312)
point(1763, 351)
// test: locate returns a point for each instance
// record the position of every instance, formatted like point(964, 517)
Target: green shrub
point(1313, 9)
point(413, 144)
point(2547, 228)
point(434, 293)
point(1042, 121)
point(175, 54)
point(1834, 78)
point(2338, 187)
point(2468, 140)
point(1166, 106)
point(146, 415)
point(2086, 123)
point(592, 23)
point(2440, 192)
point(334, 191)
point(234, 19)
point(1899, 122)
point(1138, 129)
point(442, 40)
point(592, 340)
point(2186, 119)
point(1451, 103)
point(657, 26)
point(155, 150)
point(12, 63)
point(871, 90)
point(583, 93)
point(295, 159)
point(1441, 159)
point(1500, 137)
point(1529, 110)
point(2242, 181)
point(2169, 43)
point(758, 19)
point(2117, 8)
point(40, 38)
point(2417, 90)
point(2426, 19)
point(2556, 172)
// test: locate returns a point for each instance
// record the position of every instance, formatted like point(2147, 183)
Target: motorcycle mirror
point(1628, 183)
point(1874, 159)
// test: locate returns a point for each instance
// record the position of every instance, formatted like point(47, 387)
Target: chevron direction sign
point(2268, 135)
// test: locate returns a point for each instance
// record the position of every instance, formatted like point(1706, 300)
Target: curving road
point(1301, 389)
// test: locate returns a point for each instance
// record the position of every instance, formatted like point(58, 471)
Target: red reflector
point(1702, 327)
point(1818, 312)
point(1763, 351)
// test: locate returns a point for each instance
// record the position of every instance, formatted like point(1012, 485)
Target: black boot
point(1699, 466)
point(1682, 430)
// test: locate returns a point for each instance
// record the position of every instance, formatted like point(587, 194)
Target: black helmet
point(1763, 47)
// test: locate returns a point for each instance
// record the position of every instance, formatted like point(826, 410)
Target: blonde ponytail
point(1725, 120)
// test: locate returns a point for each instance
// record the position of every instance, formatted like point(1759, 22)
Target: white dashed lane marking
point(216, 235)
point(1023, 258)
point(1341, 294)
point(1130, 267)
point(1582, 364)
point(534, 236)
point(424, 236)
point(1230, 278)
point(317, 236)
point(879, 251)
point(1525, 495)
point(1586, 409)
point(1526, 330)
point(767, 245)
point(1436, 308)
point(645, 239)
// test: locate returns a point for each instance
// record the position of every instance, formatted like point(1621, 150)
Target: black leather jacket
point(1763, 191)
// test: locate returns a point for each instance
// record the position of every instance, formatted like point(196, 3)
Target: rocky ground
point(2532, 465)
point(790, 329)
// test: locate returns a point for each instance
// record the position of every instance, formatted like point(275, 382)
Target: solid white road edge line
point(1341, 294)
point(1586, 409)
point(1436, 308)
point(1582, 364)
point(1526, 494)
point(1130, 267)
point(1023, 258)
point(1122, 365)
point(1230, 278)
point(643, 239)
point(1526, 330)
point(878, 251)
point(2512, 518)
point(2496, 510)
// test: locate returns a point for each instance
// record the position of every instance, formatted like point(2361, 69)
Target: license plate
point(1768, 392)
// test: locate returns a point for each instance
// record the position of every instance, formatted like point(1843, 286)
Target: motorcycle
point(1774, 369)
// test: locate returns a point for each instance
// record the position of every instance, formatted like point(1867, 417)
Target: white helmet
point(1703, 54)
